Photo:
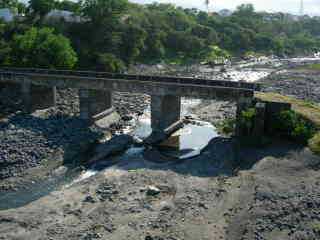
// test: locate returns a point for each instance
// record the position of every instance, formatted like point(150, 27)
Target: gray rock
point(116, 145)
point(152, 191)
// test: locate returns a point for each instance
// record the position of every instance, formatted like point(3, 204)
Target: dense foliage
point(115, 33)
point(41, 48)
point(294, 126)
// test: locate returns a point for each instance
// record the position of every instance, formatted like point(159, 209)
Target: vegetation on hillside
point(120, 32)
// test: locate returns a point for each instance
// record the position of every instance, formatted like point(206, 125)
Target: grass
point(308, 110)
point(314, 67)
point(314, 143)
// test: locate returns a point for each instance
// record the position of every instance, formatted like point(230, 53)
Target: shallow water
point(35, 191)
point(189, 141)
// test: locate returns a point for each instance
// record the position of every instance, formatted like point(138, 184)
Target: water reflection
point(189, 141)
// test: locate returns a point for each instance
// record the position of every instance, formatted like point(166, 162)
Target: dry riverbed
point(269, 193)
point(278, 197)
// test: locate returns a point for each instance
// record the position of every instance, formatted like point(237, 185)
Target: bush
point(247, 120)
point(41, 47)
point(291, 125)
point(217, 55)
point(227, 126)
point(110, 63)
point(314, 143)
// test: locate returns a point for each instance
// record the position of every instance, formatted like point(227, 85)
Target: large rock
point(116, 145)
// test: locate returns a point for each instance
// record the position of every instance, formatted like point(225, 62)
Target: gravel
point(26, 140)
point(303, 85)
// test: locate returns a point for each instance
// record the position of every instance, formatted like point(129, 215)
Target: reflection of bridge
point(38, 88)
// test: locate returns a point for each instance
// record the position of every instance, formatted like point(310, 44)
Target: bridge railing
point(147, 78)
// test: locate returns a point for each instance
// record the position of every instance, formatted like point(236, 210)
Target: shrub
point(217, 55)
point(41, 47)
point(314, 143)
point(247, 120)
point(110, 63)
point(292, 125)
point(227, 126)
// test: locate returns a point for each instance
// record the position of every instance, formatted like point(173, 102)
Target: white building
point(6, 14)
point(62, 15)
point(225, 13)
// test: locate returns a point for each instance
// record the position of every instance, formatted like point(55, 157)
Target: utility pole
point(301, 8)
point(207, 3)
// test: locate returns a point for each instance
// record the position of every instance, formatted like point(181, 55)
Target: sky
point(292, 6)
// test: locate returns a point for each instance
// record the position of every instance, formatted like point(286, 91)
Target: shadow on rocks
point(26, 140)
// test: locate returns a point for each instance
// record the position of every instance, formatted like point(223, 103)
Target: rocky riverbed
point(301, 84)
point(46, 139)
point(276, 198)
point(264, 193)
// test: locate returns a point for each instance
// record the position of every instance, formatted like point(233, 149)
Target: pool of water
point(189, 141)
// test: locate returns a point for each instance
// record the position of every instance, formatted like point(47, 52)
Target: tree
point(8, 3)
point(109, 63)
point(42, 48)
point(132, 42)
point(41, 7)
point(68, 6)
point(104, 11)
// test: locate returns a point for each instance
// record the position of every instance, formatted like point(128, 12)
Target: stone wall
point(266, 113)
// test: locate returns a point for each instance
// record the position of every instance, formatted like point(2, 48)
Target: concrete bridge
point(38, 90)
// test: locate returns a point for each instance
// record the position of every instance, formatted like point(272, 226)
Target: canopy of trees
point(115, 33)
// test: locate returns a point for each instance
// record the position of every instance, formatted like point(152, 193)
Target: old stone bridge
point(38, 90)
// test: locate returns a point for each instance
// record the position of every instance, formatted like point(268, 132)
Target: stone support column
point(26, 95)
point(165, 111)
point(37, 97)
point(259, 121)
point(242, 105)
point(95, 104)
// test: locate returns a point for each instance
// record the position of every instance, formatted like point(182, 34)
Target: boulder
point(116, 145)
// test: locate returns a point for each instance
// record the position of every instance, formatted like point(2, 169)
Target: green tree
point(104, 11)
point(42, 48)
point(110, 63)
point(68, 5)
point(41, 7)
point(132, 42)
point(8, 3)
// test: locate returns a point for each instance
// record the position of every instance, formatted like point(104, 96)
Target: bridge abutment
point(37, 97)
point(95, 104)
point(165, 111)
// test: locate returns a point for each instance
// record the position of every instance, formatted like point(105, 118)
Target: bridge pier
point(243, 104)
point(37, 97)
point(95, 104)
point(165, 111)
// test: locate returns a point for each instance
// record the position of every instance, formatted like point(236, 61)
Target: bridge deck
point(183, 86)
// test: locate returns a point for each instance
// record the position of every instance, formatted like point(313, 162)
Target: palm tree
point(207, 3)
